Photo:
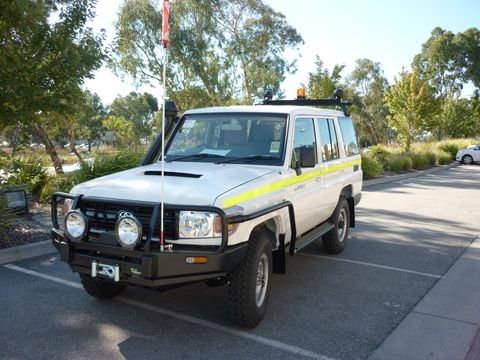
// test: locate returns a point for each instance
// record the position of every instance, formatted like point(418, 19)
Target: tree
point(256, 38)
point(458, 118)
point(412, 107)
point(368, 85)
point(44, 61)
point(138, 110)
point(214, 45)
point(92, 113)
point(448, 61)
point(322, 83)
point(123, 130)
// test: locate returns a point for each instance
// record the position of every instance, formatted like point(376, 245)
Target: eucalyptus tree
point(219, 50)
point(368, 86)
point(448, 61)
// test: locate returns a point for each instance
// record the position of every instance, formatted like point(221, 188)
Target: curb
point(25, 251)
point(386, 179)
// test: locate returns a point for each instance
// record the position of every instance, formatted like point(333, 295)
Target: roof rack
point(302, 101)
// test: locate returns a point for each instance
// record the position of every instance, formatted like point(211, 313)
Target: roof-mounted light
point(301, 93)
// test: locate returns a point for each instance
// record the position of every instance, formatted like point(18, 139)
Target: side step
point(310, 237)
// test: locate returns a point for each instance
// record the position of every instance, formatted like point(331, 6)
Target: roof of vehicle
point(280, 109)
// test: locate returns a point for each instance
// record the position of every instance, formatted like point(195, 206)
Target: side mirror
point(307, 156)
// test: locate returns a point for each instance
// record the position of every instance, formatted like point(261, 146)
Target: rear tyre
point(249, 284)
point(99, 288)
point(467, 160)
point(334, 240)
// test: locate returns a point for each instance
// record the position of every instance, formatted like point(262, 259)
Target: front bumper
point(149, 269)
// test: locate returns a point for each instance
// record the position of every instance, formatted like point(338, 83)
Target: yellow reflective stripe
point(284, 183)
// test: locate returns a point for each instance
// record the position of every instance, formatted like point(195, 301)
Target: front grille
point(102, 218)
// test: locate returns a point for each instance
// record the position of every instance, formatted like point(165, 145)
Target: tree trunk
point(50, 148)
point(71, 138)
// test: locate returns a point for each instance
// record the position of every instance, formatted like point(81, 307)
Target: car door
point(331, 165)
point(305, 190)
point(476, 153)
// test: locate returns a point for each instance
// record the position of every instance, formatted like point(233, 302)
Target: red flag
point(165, 14)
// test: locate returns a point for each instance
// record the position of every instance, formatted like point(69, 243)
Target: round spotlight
point(128, 231)
point(75, 225)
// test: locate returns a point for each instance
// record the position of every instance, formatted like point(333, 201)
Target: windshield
point(229, 138)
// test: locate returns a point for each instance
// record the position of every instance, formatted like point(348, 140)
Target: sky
point(390, 32)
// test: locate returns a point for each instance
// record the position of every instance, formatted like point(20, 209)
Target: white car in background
point(469, 155)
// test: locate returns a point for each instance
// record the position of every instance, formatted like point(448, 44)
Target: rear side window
point(304, 138)
point(328, 139)
point(349, 139)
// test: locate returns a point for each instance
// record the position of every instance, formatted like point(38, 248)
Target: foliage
point(29, 171)
point(322, 83)
point(371, 167)
point(412, 106)
point(90, 117)
point(215, 45)
point(448, 61)
point(46, 54)
point(457, 119)
point(123, 130)
point(380, 152)
point(450, 148)
point(106, 164)
point(399, 163)
point(139, 110)
point(61, 182)
point(367, 86)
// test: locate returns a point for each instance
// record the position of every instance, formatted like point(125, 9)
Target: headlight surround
point(196, 224)
point(128, 231)
point(75, 225)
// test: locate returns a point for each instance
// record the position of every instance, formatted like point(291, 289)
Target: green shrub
point(63, 183)
point(30, 171)
point(444, 157)
point(432, 158)
point(398, 163)
point(450, 148)
point(419, 160)
point(380, 152)
point(371, 167)
point(105, 164)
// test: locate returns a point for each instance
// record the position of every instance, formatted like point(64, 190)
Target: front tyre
point(334, 240)
point(467, 159)
point(249, 284)
point(101, 289)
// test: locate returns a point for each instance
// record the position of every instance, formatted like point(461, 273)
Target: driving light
point(128, 231)
point(196, 224)
point(75, 225)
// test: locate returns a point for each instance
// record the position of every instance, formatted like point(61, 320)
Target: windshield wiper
point(197, 156)
point(249, 158)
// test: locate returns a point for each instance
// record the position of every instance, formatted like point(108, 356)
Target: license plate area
point(111, 272)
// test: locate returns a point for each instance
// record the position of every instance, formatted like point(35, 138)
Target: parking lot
point(408, 235)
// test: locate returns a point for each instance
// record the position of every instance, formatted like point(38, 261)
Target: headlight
point(75, 225)
point(128, 231)
point(196, 224)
